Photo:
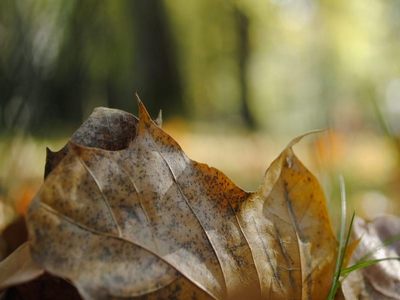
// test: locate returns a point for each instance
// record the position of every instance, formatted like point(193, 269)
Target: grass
point(343, 241)
point(341, 272)
point(364, 264)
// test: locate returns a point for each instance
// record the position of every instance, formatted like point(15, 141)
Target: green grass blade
point(364, 264)
point(343, 240)
point(336, 282)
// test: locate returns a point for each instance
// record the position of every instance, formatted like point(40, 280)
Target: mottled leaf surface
point(125, 213)
point(106, 128)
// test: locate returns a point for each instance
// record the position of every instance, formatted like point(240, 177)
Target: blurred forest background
point(236, 80)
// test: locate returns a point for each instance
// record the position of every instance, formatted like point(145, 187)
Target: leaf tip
point(300, 137)
point(158, 120)
point(138, 100)
point(144, 116)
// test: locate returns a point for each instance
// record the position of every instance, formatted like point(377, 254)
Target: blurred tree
point(59, 61)
point(240, 62)
point(214, 53)
point(156, 68)
point(243, 54)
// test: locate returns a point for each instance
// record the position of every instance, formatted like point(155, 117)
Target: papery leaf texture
point(124, 213)
point(19, 267)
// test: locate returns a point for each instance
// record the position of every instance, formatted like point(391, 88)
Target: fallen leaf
point(382, 280)
point(289, 232)
point(106, 128)
point(124, 212)
point(19, 267)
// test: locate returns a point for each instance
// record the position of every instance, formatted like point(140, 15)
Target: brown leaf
point(289, 232)
point(108, 129)
point(143, 220)
point(18, 267)
point(382, 280)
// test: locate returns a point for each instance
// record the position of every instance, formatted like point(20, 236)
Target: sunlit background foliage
point(235, 80)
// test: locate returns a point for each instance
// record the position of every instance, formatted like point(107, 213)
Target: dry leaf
point(382, 280)
point(106, 128)
point(19, 267)
point(124, 212)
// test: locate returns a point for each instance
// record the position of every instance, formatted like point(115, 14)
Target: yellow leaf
point(289, 232)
